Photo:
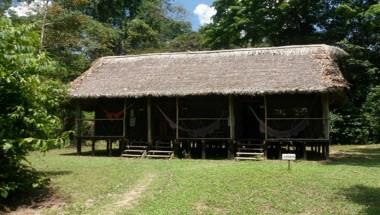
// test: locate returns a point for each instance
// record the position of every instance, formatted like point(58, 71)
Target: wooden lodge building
point(242, 103)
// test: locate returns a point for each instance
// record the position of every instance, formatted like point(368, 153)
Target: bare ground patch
point(203, 208)
point(34, 205)
point(129, 199)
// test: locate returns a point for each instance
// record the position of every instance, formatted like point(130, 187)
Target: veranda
point(210, 126)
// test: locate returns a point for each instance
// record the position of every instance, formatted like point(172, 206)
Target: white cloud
point(25, 9)
point(204, 13)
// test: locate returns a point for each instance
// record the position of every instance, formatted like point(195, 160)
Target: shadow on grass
point(359, 156)
point(98, 153)
point(56, 173)
point(30, 199)
point(364, 195)
point(25, 202)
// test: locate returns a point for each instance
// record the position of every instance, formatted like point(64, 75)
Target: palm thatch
point(251, 71)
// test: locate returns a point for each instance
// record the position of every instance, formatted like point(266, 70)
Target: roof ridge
point(223, 51)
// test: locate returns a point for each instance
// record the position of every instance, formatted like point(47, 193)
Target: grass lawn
point(349, 183)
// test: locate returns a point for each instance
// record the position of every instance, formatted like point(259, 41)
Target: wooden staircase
point(135, 150)
point(163, 150)
point(250, 150)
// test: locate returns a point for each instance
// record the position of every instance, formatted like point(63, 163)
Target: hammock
point(116, 115)
point(199, 132)
point(294, 131)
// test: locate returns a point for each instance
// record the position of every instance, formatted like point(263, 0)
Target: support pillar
point(265, 117)
point(109, 143)
point(177, 117)
point(124, 118)
point(326, 124)
point(122, 145)
point(93, 147)
point(203, 149)
point(231, 120)
point(304, 150)
point(265, 147)
point(149, 120)
point(78, 127)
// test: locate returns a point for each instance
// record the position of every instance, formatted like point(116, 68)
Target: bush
point(372, 113)
point(29, 106)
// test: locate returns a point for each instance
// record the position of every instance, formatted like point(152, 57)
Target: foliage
point(140, 35)
point(193, 41)
point(42, 52)
point(353, 25)
point(74, 40)
point(29, 105)
point(372, 111)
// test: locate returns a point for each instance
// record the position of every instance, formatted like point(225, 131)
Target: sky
point(199, 11)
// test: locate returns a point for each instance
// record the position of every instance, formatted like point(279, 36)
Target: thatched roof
point(252, 71)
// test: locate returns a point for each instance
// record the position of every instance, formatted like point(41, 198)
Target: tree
point(29, 106)
point(264, 22)
point(353, 25)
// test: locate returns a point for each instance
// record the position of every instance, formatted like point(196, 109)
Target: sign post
point(289, 157)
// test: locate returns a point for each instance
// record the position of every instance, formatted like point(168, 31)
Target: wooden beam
point(203, 149)
point(326, 123)
point(231, 120)
point(124, 118)
point(266, 117)
point(78, 127)
point(110, 148)
point(325, 112)
point(149, 120)
point(177, 117)
point(231, 108)
point(93, 147)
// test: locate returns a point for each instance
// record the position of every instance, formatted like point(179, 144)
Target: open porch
point(241, 127)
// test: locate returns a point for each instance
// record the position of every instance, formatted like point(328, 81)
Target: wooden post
point(326, 126)
point(149, 120)
point(325, 112)
point(110, 148)
point(265, 146)
point(327, 150)
point(124, 118)
point(93, 147)
point(177, 117)
point(266, 126)
point(266, 117)
point(231, 110)
point(203, 149)
point(121, 145)
point(304, 150)
point(78, 127)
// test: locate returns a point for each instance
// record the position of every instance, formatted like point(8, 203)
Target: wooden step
point(250, 153)
point(131, 155)
point(163, 148)
point(158, 156)
point(160, 151)
point(248, 158)
point(136, 147)
point(251, 149)
point(134, 150)
point(247, 145)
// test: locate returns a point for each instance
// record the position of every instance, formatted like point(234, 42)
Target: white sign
point(289, 157)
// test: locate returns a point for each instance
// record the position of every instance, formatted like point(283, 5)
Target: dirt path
point(129, 199)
